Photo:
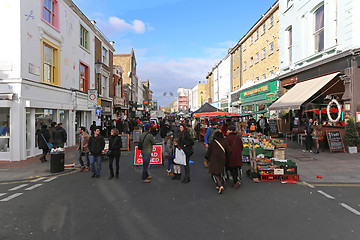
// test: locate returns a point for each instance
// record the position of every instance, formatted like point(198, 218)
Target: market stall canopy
point(215, 114)
point(301, 92)
point(206, 108)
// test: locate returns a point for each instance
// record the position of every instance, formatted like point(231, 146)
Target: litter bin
point(57, 160)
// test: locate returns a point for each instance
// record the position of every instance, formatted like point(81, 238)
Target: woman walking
point(216, 155)
point(317, 134)
point(43, 140)
point(186, 144)
point(168, 143)
point(235, 160)
point(115, 145)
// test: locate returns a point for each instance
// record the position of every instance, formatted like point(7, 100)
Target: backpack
point(141, 143)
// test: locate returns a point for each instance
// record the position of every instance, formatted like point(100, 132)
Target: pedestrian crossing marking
point(18, 187)
point(33, 187)
point(11, 197)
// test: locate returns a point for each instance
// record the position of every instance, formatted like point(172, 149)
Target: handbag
point(49, 145)
point(180, 157)
point(109, 152)
point(141, 143)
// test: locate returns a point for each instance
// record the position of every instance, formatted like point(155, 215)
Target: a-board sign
point(335, 141)
point(136, 135)
point(125, 139)
point(274, 127)
point(156, 156)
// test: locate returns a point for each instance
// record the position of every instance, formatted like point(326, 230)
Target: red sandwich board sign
point(156, 156)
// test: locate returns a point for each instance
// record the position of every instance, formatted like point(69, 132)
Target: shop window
point(84, 81)
point(319, 29)
point(50, 13)
point(261, 107)
point(4, 129)
point(42, 117)
point(50, 63)
point(84, 38)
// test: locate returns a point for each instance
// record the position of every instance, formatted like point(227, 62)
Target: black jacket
point(59, 136)
point(115, 144)
point(96, 145)
point(41, 142)
point(186, 143)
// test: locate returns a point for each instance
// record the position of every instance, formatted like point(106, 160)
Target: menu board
point(335, 141)
point(136, 135)
point(125, 139)
point(274, 127)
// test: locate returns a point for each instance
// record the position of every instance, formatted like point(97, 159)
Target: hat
point(169, 134)
point(215, 123)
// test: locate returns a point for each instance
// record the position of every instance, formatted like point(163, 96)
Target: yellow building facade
point(259, 49)
point(209, 87)
point(236, 67)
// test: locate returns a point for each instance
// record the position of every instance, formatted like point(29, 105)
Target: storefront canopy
point(301, 92)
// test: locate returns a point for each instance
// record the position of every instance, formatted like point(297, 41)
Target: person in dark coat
point(164, 129)
point(185, 142)
point(235, 159)
point(216, 155)
point(93, 128)
point(119, 125)
point(43, 138)
point(96, 145)
point(51, 130)
point(115, 145)
point(59, 136)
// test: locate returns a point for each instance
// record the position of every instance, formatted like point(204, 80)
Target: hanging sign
point(92, 98)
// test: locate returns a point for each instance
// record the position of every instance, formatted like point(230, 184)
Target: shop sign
point(256, 90)
point(145, 102)
point(92, 98)
point(270, 97)
point(118, 101)
point(156, 156)
point(358, 117)
point(106, 109)
point(289, 81)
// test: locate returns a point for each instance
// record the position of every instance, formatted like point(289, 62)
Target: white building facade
point(224, 82)
point(46, 69)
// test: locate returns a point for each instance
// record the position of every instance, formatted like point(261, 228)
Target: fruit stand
point(267, 159)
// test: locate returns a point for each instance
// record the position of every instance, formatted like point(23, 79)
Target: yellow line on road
point(32, 179)
point(331, 184)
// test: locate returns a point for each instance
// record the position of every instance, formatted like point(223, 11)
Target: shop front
point(119, 107)
point(106, 116)
point(256, 99)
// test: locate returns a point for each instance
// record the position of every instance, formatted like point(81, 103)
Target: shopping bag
point(180, 157)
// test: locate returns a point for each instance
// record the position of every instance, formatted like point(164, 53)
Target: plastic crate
point(290, 170)
point(270, 177)
point(295, 178)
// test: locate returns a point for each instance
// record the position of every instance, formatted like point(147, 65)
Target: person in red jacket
point(235, 159)
point(225, 126)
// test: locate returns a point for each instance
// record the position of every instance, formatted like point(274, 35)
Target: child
point(177, 172)
point(168, 153)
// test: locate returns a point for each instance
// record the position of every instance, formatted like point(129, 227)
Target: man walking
point(308, 135)
point(59, 136)
point(148, 141)
point(83, 149)
point(96, 145)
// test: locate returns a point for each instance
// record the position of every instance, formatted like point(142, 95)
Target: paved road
point(74, 206)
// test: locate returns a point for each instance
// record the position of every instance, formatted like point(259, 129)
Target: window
point(244, 46)
point(251, 61)
point(271, 51)
point(257, 57)
point(104, 86)
point(84, 38)
point(238, 71)
point(289, 3)
point(257, 34)
point(104, 55)
point(319, 29)
point(4, 129)
point(50, 63)
point(84, 81)
point(251, 39)
point(271, 73)
point(263, 53)
point(244, 65)
point(50, 12)
point(234, 73)
point(263, 76)
point(257, 78)
point(290, 44)
point(271, 21)
point(263, 28)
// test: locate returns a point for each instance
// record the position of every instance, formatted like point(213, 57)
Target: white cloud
point(121, 25)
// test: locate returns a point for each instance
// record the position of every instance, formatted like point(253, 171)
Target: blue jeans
point(86, 157)
point(146, 166)
point(169, 163)
point(98, 160)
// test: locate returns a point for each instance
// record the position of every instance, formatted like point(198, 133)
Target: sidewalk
point(33, 167)
point(337, 167)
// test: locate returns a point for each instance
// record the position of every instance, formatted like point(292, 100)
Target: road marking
point(18, 187)
point(11, 197)
point(33, 187)
point(50, 179)
point(38, 179)
point(2, 194)
point(350, 209)
point(325, 194)
point(309, 185)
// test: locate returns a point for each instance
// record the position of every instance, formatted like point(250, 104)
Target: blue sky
point(176, 42)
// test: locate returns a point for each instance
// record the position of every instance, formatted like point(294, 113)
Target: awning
point(301, 92)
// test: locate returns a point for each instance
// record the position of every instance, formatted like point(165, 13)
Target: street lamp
point(98, 66)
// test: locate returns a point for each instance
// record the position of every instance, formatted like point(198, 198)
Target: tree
point(352, 137)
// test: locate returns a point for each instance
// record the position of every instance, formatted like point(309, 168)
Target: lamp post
point(98, 66)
